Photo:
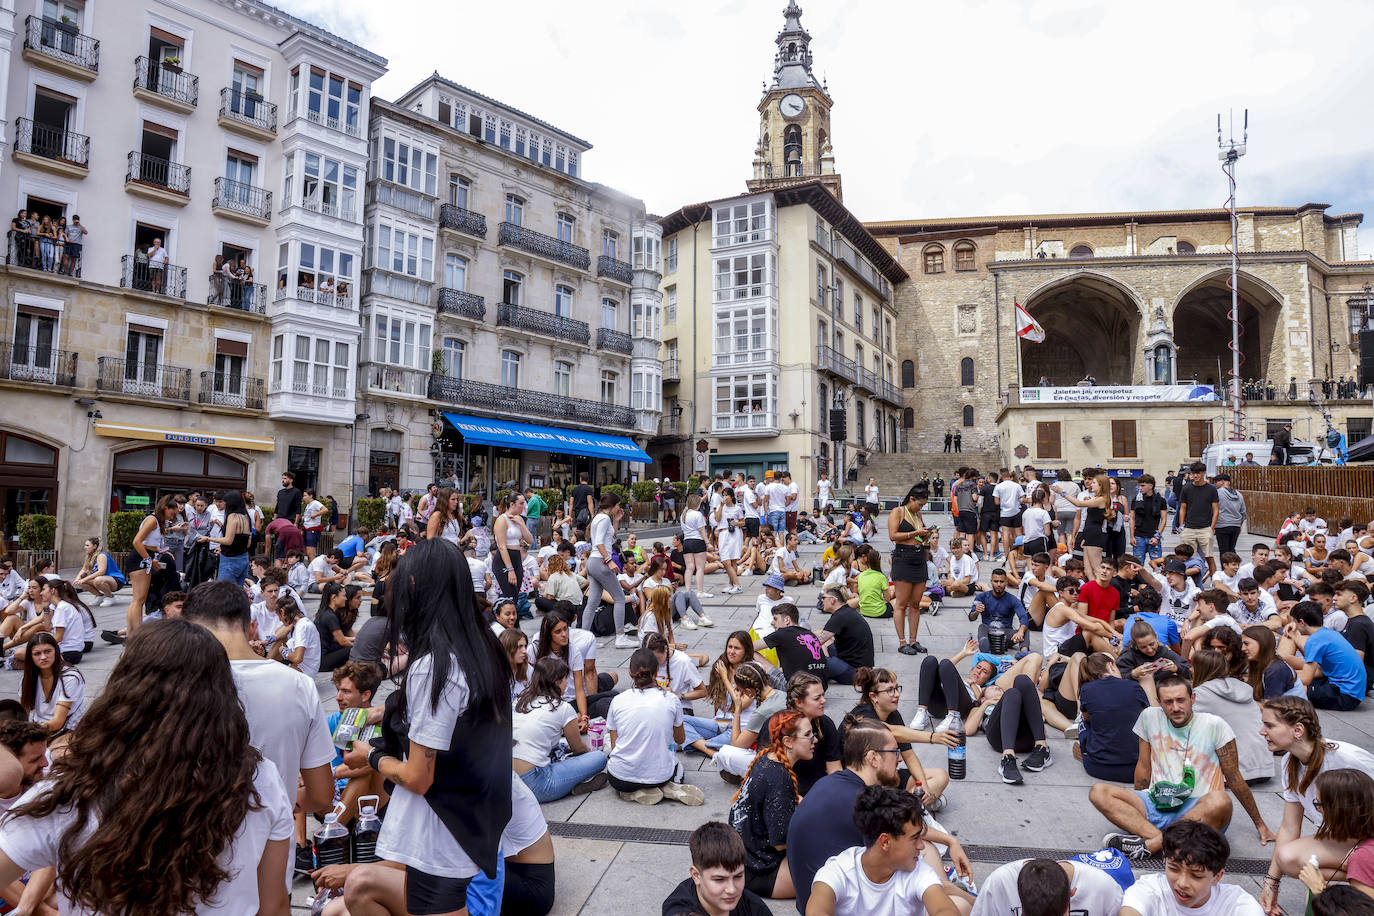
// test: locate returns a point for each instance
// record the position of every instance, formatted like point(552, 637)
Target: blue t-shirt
point(1339, 661)
point(1110, 707)
point(1002, 663)
point(1006, 611)
point(350, 546)
point(1165, 628)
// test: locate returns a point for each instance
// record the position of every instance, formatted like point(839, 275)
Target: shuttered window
point(1199, 436)
point(1123, 439)
point(1047, 440)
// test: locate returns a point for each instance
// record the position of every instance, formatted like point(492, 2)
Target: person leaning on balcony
point(217, 279)
point(74, 232)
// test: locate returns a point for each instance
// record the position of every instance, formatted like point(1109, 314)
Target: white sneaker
point(682, 792)
point(651, 796)
point(626, 642)
point(705, 621)
point(921, 720)
point(946, 724)
point(731, 589)
point(104, 601)
point(705, 595)
point(688, 625)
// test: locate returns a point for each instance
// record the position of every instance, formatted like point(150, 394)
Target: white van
point(1215, 455)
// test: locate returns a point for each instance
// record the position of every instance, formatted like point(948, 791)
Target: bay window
point(745, 402)
point(646, 390)
point(745, 335)
point(743, 223)
point(743, 277)
point(405, 164)
point(402, 250)
point(327, 186)
point(400, 340)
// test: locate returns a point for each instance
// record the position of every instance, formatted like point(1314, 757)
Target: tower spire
point(792, 62)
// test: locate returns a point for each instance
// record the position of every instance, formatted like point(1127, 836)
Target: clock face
point(791, 105)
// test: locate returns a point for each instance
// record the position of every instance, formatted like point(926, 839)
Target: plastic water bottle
point(919, 792)
point(366, 830)
point(321, 900)
point(331, 840)
point(956, 759)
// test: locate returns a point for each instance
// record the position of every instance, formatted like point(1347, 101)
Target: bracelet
point(374, 758)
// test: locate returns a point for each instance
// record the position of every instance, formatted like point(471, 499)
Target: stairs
point(897, 471)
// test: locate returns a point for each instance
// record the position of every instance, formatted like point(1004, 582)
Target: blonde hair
point(661, 606)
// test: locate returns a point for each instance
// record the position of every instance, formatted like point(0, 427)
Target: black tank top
point(238, 546)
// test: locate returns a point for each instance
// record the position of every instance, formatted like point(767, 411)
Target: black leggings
point(1017, 721)
point(334, 658)
point(499, 570)
point(529, 889)
point(600, 702)
point(621, 785)
point(939, 684)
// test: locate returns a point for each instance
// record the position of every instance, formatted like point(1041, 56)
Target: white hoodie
point(1234, 700)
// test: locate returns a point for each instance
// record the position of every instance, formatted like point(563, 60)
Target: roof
point(310, 27)
point(1049, 220)
point(458, 87)
point(810, 191)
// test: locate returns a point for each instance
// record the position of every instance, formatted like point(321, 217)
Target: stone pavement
point(619, 857)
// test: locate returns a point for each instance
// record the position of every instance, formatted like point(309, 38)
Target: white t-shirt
point(581, 647)
point(693, 525)
point(1223, 620)
point(763, 618)
point(1339, 755)
point(1177, 605)
point(479, 570)
point(298, 577)
point(320, 566)
point(1220, 578)
point(747, 498)
point(679, 675)
point(1035, 521)
point(964, 567)
point(304, 633)
point(643, 721)
point(792, 501)
point(1094, 892)
point(823, 491)
point(1152, 896)
point(312, 517)
point(856, 895)
point(537, 732)
point(67, 618)
point(601, 532)
point(526, 825)
point(784, 559)
point(70, 688)
point(412, 833)
point(32, 843)
point(1009, 492)
point(286, 722)
point(871, 492)
point(1335, 620)
point(777, 496)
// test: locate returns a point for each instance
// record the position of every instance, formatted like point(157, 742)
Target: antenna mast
point(1229, 152)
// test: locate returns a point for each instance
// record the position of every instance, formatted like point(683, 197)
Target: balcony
point(218, 389)
point(240, 201)
point(158, 179)
point(502, 400)
point(143, 380)
point(328, 208)
point(242, 295)
point(138, 275)
point(670, 425)
point(865, 381)
point(460, 220)
point(517, 316)
point(341, 299)
point(464, 304)
point(607, 266)
point(613, 340)
point(37, 365)
point(832, 361)
point(380, 191)
point(544, 246)
point(60, 47)
point(753, 423)
point(891, 393)
point(49, 255)
point(671, 371)
point(248, 113)
point(52, 148)
point(396, 380)
point(350, 127)
point(166, 84)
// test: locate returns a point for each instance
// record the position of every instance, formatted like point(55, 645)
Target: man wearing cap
point(1230, 514)
point(1177, 590)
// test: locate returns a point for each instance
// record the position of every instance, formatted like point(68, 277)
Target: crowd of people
point(1177, 679)
point(1343, 388)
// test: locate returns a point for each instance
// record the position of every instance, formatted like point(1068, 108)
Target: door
point(61, 22)
point(33, 356)
point(246, 92)
point(238, 169)
point(52, 118)
point(141, 354)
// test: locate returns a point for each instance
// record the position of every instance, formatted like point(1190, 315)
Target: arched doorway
point(142, 476)
point(28, 481)
point(1202, 330)
point(1092, 327)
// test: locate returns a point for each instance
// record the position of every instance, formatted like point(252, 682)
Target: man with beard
point(28, 742)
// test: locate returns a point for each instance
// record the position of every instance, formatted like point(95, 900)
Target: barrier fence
point(1271, 493)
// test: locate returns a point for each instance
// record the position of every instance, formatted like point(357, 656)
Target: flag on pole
point(1028, 327)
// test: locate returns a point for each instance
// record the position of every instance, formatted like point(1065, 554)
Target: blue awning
point(510, 434)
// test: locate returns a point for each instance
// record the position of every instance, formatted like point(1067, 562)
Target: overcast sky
point(941, 109)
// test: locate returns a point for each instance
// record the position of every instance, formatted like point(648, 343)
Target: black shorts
point(693, 545)
point(1010, 521)
point(1095, 538)
point(1036, 545)
point(988, 521)
point(966, 523)
point(751, 527)
point(427, 895)
point(761, 882)
point(73, 657)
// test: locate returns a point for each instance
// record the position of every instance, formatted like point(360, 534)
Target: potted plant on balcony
point(171, 63)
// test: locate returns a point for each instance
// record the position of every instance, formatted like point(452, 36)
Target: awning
point(184, 436)
point(509, 434)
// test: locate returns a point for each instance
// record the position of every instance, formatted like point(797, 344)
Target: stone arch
point(1202, 328)
point(1092, 325)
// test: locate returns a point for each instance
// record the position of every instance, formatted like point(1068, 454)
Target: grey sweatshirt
point(1230, 508)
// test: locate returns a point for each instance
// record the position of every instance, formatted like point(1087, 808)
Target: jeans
point(805, 537)
point(777, 520)
point(702, 729)
point(233, 569)
point(1144, 550)
point(554, 780)
point(839, 670)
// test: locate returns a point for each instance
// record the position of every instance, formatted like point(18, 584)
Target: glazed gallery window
point(401, 250)
point(742, 277)
point(400, 340)
point(408, 165)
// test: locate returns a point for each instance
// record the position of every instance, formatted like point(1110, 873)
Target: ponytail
point(782, 724)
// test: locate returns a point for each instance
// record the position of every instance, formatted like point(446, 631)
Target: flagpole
point(1020, 379)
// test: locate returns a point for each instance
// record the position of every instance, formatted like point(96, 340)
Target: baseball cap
point(774, 580)
point(1020, 539)
point(1176, 565)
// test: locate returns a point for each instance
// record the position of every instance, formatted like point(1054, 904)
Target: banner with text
point(1132, 394)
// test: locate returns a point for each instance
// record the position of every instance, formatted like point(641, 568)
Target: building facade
point(511, 307)
point(134, 365)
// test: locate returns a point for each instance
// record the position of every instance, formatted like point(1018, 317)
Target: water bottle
point(322, 898)
point(919, 792)
point(331, 840)
point(366, 830)
point(956, 757)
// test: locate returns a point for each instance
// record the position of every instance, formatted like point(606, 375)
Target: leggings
point(529, 889)
point(621, 785)
point(600, 702)
point(601, 578)
point(1017, 722)
point(941, 673)
point(335, 657)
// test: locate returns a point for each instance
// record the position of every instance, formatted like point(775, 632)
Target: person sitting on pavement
point(1014, 724)
point(1044, 887)
point(1144, 655)
point(643, 724)
point(1216, 691)
point(1109, 705)
point(806, 694)
point(998, 608)
point(847, 638)
point(879, 695)
point(1195, 855)
point(716, 879)
point(962, 579)
point(750, 690)
point(797, 648)
point(762, 808)
point(1324, 660)
point(542, 718)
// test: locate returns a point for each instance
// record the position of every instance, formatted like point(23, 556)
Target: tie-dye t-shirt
point(1195, 745)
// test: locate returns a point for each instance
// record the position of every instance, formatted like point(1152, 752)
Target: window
point(966, 372)
point(608, 310)
point(240, 167)
point(1081, 251)
point(1357, 428)
point(742, 277)
point(822, 404)
point(610, 243)
point(453, 352)
point(510, 287)
point(323, 272)
point(887, 329)
point(742, 223)
point(562, 378)
point(1199, 436)
point(822, 333)
point(858, 355)
point(839, 340)
point(1186, 247)
point(670, 255)
point(908, 418)
point(35, 336)
point(565, 228)
point(839, 298)
point(875, 326)
point(745, 402)
point(510, 368)
point(744, 335)
point(859, 421)
point(821, 285)
point(908, 374)
point(670, 307)
point(1123, 439)
point(230, 356)
point(646, 250)
point(859, 313)
point(505, 134)
point(400, 340)
point(644, 319)
point(408, 165)
point(515, 210)
point(646, 390)
point(459, 190)
point(934, 259)
point(792, 151)
point(327, 187)
point(1047, 441)
point(455, 272)
point(1358, 316)
point(963, 256)
point(608, 383)
point(562, 300)
point(403, 251)
point(313, 372)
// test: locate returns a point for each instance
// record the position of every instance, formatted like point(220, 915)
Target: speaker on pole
point(838, 430)
point(1366, 358)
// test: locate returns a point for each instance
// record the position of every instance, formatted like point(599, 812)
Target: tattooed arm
point(416, 772)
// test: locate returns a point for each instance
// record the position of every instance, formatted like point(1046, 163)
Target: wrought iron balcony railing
point(167, 80)
point(38, 252)
point(224, 389)
point(866, 380)
point(830, 360)
point(469, 221)
point(61, 41)
point(459, 302)
point(545, 246)
point(39, 365)
point(526, 319)
point(607, 266)
point(615, 341)
point(170, 176)
point(165, 280)
point(232, 293)
point(152, 380)
point(248, 108)
point(242, 198)
point(52, 142)
point(890, 393)
point(499, 398)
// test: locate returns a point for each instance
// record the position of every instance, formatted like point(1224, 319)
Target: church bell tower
point(794, 116)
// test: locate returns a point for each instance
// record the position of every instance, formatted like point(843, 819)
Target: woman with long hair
point(334, 625)
point(806, 695)
point(509, 538)
point(693, 525)
point(1217, 691)
point(762, 809)
point(1346, 837)
point(555, 637)
point(601, 574)
point(1291, 725)
point(143, 558)
point(542, 718)
point(1231, 645)
point(1109, 705)
point(24, 616)
point(879, 695)
point(296, 640)
point(643, 724)
point(165, 756)
point(910, 569)
point(1116, 518)
point(53, 693)
point(99, 575)
point(452, 796)
point(1268, 675)
point(237, 532)
point(516, 645)
point(1097, 506)
point(708, 735)
point(72, 622)
point(729, 524)
point(446, 518)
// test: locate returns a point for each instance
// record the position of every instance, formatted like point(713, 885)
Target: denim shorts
point(1160, 819)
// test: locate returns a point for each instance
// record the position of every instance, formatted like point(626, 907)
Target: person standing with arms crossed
point(1198, 506)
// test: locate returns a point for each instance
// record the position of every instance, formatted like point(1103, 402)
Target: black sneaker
point(1132, 846)
point(907, 649)
point(1040, 757)
point(305, 860)
point(112, 637)
point(918, 649)
point(731, 778)
point(1011, 774)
